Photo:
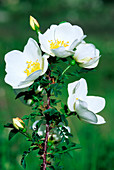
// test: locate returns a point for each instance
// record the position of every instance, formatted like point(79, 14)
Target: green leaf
point(25, 154)
point(63, 118)
point(23, 163)
point(26, 119)
point(37, 113)
point(51, 111)
point(9, 125)
point(62, 104)
point(64, 109)
point(70, 153)
point(54, 102)
point(20, 94)
point(75, 73)
point(35, 98)
point(50, 168)
point(65, 148)
point(47, 111)
point(85, 70)
point(12, 133)
point(33, 147)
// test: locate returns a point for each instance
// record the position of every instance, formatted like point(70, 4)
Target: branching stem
point(45, 147)
point(47, 132)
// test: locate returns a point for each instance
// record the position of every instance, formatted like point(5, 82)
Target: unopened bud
point(30, 102)
point(39, 89)
point(18, 123)
point(34, 24)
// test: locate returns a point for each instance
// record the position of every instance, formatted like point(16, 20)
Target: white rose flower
point(87, 55)
point(61, 40)
point(23, 68)
point(85, 106)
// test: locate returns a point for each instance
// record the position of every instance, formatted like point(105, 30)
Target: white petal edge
point(86, 65)
point(95, 104)
point(71, 101)
point(45, 46)
point(32, 51)
point(31, 78)
point(44, 63)
point(72, 87)
point(67, 32)
point(100, 120)
point(15, 60)
point(45, 38)
point(76, 42)
point(15, 85)
point(34, 125)
point(14, 82)
point(79, 88)
point(85, 50)
point(83, 112)
point(62, 52)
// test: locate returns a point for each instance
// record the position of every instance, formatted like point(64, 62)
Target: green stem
point(27, 135)
point(66, 69)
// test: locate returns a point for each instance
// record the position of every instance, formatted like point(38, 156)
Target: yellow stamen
point(32, 67)
point(76, 98)
point(57, 44)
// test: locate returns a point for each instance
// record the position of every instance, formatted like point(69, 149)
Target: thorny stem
point(45, 147)
point(47, 133)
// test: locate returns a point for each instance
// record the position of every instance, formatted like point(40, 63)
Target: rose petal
point(45, 38)
point(71, 101)
point(67, 32)
point(45, 46)
point(83, 112)
point(83, 51)
point(31, 77)
point(79, 88)
point(100, 120)
point(15, 61)
point(32, 51)
point(44, 63)
point(62, 52)
point(95, 104)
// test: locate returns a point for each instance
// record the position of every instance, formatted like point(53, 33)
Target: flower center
point(57, 44)
point(76, 98)
point(32, 67)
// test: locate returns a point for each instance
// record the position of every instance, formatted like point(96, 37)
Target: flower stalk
point(47, 131)
point(66, 69)
point(45, 147)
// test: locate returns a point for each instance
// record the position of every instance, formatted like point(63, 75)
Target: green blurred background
point(96, 17)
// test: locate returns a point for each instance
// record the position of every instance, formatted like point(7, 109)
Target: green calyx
point(72, 62)
point(24, 130)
